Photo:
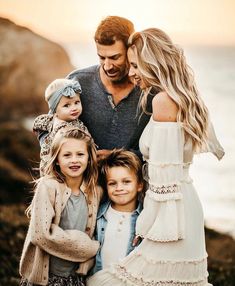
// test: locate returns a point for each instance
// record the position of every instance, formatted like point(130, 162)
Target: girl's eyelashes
point(112, 183)
point(66, 155)
point(76, 103)
point(127, 181)
point(78, 154)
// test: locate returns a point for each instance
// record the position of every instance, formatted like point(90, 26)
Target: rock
point(19, 153)
point(221, 258)
point(28, 63)
point(11, 244)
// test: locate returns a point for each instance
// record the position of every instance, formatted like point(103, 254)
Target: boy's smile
point(123, 188)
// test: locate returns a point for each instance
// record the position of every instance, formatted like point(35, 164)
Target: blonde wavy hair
point(52, 169)
point(163, 68)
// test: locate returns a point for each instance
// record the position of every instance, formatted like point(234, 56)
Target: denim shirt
point(101, 224)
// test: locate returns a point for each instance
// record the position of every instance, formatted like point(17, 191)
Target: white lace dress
point(172, 226)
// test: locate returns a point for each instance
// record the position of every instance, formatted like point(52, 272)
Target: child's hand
point(136, 240)
point(102, 154)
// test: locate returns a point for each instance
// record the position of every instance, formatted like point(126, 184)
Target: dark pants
point(54, 280)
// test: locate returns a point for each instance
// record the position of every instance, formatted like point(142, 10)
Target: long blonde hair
point(52, 170)
point(163, 67)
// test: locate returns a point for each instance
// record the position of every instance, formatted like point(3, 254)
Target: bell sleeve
point(162, 218)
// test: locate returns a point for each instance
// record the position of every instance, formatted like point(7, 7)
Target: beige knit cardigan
point(45, 237)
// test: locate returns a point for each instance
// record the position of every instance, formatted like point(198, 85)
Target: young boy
point(121, 177)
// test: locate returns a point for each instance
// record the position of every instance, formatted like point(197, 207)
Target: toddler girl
point(63, 98)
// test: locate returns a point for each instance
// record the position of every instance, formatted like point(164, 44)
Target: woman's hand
point(136, 240)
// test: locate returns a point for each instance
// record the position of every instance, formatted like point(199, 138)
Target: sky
point(201, 22)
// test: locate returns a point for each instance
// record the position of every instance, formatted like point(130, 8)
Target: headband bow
point(69, 90)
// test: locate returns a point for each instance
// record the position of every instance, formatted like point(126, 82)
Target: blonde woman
point(171, 224)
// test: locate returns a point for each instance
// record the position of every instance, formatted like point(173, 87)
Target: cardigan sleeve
point(72, 245)
point(162, 218)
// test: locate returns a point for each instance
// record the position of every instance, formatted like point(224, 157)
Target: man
point(108, 96)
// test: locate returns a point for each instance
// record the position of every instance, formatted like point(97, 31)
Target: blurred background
point(43, 40)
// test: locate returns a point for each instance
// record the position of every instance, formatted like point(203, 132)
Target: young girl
point(63, 214)
point(63, 98)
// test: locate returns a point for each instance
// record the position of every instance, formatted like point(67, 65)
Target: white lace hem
point(138, 279)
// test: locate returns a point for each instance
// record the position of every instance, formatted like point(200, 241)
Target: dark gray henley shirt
point(110, 126)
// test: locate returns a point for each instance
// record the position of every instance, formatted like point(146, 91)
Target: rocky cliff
point(28, 62)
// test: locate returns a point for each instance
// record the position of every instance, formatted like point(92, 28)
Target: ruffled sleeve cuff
point(162, 218)
point(213, 144)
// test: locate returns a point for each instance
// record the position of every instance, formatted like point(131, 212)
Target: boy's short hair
point(114, 28)
point(120, 158)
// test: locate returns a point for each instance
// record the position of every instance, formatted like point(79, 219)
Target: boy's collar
point(104, 207)
point(139, 207)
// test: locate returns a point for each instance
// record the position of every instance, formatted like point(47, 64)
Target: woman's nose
point(131, 72)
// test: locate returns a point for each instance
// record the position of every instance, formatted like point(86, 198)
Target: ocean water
point(214, 69)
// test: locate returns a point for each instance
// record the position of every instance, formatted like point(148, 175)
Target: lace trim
point(167, 164)
point(122, 274)
point(153, 238)
point(153, 261)
point(159, 240)
point(164, 189)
